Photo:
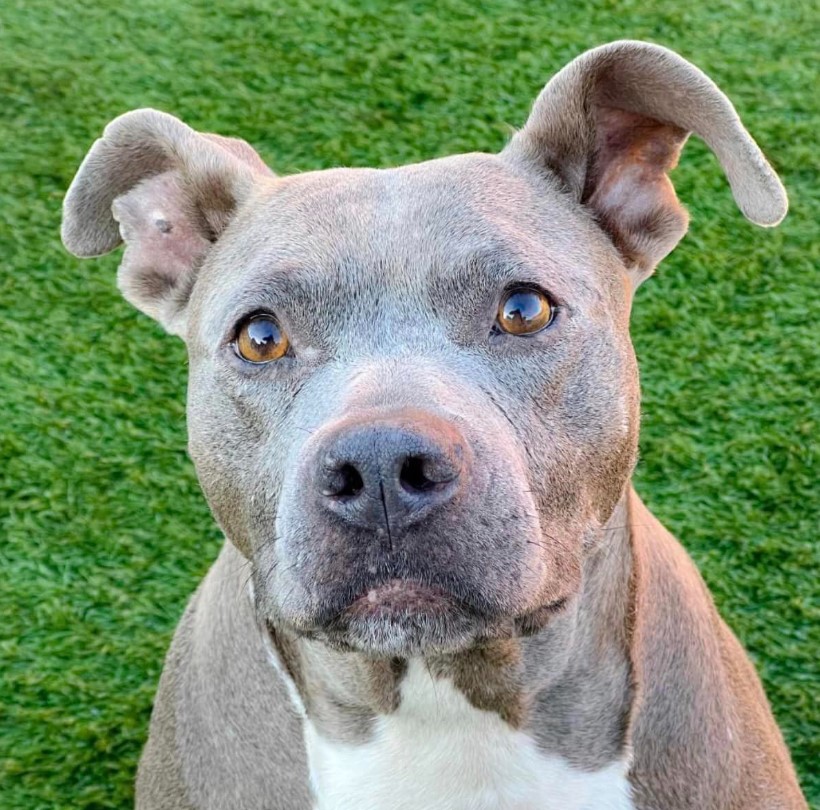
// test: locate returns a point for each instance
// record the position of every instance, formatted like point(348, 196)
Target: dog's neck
point(570, 684)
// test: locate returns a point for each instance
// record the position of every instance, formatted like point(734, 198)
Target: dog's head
point(413, 399)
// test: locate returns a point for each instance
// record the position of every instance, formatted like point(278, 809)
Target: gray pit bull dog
point(413, 408)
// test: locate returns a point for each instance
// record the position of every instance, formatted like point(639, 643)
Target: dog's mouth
point(405, 617)
point(401, 617)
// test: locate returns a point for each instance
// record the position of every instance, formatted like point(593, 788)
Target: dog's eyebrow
point(269, 291)
point(496, 266)
point(293, 288)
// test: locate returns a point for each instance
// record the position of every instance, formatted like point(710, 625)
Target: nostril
point(413, 476)
point(346, 482)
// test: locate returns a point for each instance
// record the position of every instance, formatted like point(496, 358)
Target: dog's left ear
point(611, 125)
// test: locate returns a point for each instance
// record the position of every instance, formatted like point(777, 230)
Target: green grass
point(104, 532)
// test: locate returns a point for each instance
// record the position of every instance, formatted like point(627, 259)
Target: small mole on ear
point(163, 225)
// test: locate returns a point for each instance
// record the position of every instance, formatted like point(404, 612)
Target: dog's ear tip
point(82, 244)
point(770, 218)
point(760, 195)
point(82, 236)
point(74, 240)
point(766, 205)
point(88, 230)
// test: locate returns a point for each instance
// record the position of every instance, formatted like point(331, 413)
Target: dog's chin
point(402, 619)
point(404, 636)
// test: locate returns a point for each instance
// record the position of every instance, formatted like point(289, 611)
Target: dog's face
point(454, 415)
point(413, 400)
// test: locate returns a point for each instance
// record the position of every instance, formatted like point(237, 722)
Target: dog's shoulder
point(224, 733)
point(700, 708)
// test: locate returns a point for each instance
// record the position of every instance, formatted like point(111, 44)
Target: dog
point(413, 408)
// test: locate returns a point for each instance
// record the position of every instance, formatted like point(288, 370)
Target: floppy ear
point(168, 192)
point(611, 125)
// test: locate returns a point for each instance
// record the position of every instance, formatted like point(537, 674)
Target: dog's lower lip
point(399, 596)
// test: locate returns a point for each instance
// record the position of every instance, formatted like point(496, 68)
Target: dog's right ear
point(168, 192)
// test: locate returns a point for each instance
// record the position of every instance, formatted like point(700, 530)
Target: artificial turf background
point(104, 532)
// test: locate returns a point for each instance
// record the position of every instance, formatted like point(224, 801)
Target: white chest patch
point(438, 752)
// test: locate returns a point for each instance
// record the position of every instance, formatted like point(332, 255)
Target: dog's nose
point(390, 474)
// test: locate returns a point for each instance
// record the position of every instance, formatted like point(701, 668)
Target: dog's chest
point(439, 753)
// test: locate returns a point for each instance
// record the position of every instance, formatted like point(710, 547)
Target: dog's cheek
point(222, 485)
point(586, 430)
point(619, 452)
point(235, 463)
point(604, 404)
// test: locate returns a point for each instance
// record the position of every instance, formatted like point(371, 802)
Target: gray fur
point(568, 610)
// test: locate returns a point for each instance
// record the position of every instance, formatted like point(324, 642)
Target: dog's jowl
point(413, 408)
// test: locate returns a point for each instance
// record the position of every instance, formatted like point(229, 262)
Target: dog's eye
point(260, 340)
point(524, 311)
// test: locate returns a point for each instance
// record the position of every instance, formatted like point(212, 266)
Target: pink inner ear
point(164, 244)
point(628, 187)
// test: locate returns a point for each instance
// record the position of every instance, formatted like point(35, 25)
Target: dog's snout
point(390, 473)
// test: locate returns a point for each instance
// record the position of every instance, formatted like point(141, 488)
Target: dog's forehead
point(470, 219)
point(463, 202)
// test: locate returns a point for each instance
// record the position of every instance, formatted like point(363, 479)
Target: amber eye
point(524, 311)
point(261, 340)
